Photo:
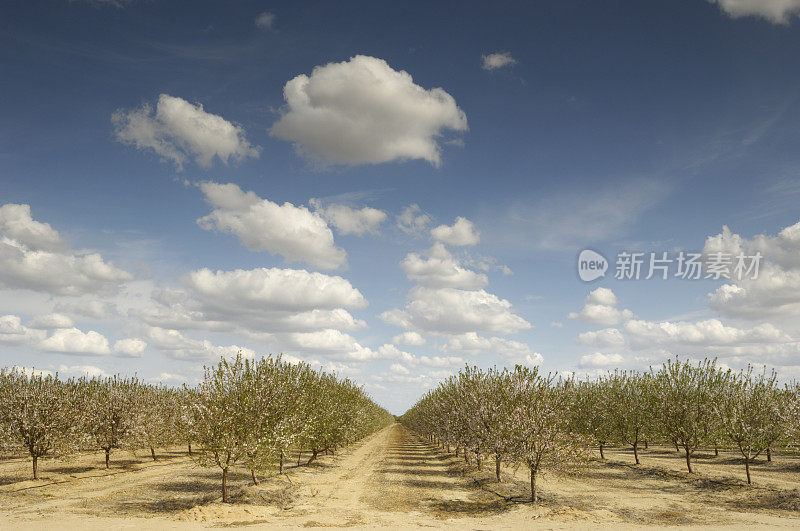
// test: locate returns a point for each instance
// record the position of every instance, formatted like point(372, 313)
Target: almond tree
point(40, 413)
point(749, 409)
point(487, 408)
point(683, 400)
point(790, 412)
point(220, 417)
point(286, 417)
point(469, 408)
point(113, 413)
point(184, 416)
point(633, 399)
point(318, 413)
point(593, 412)
point(159, 411)
point(541, 436)
point(241, 413)
point(275, 389)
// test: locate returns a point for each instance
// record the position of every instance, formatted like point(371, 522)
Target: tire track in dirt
point(413, 476)
point(393, 475)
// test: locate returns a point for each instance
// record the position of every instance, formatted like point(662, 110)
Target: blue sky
point(549, 127)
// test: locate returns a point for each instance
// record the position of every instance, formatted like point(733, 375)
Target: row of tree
point(522, 416)
point(247, 413)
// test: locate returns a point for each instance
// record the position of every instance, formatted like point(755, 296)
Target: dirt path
point(393, 473)
point(392, 479)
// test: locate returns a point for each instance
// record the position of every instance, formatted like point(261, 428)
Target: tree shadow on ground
point(72, 469)
point(403, 471)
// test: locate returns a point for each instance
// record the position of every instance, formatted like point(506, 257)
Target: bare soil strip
point(394, 479)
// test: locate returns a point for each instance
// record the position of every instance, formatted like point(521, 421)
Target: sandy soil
point(393, 479)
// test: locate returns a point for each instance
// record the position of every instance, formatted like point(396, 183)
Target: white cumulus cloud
point(600, 308)
point(455, 311)
point(293, 232)
point(273, 289)
point(74, 341)
point(412, 220)
point(362, 111)
point(52, 320)
point(178, 346)
point(332, 344)
point(348, 220)
point(82, 370)
point(775, 292)
point(412, 339)
point(711, 332)
point(598, 359)
point(496, 60)
point(608, 337)
point(179, 130)
point(255, 302)
point(13, 332)
point(439, 269)
point(34, 256)
point(398, 369)
point(462, 232)
point(775, 11)
point(473, 344)
point(265, 20)
point(130, 347)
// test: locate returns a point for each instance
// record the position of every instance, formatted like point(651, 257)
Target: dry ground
point(394, 479)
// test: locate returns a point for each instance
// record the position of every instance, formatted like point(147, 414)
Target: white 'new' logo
point(591, 265)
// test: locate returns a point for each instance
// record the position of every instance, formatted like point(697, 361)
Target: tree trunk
point(224, 485)
point(253, 473)
point(35, 467)
point(497, 467)
point(466, 456)
point(280, 464)
point(769, 455)
point(153, 453)
point(636, 451)
point(601, 452)
point(478, 459)
point(747, 467)
point(533, 485)
point(299, 455)
point(688, 459)
point(716, 451)
point(108, 455)
point(313, 456)
point(645, 444)
point(190, 448)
